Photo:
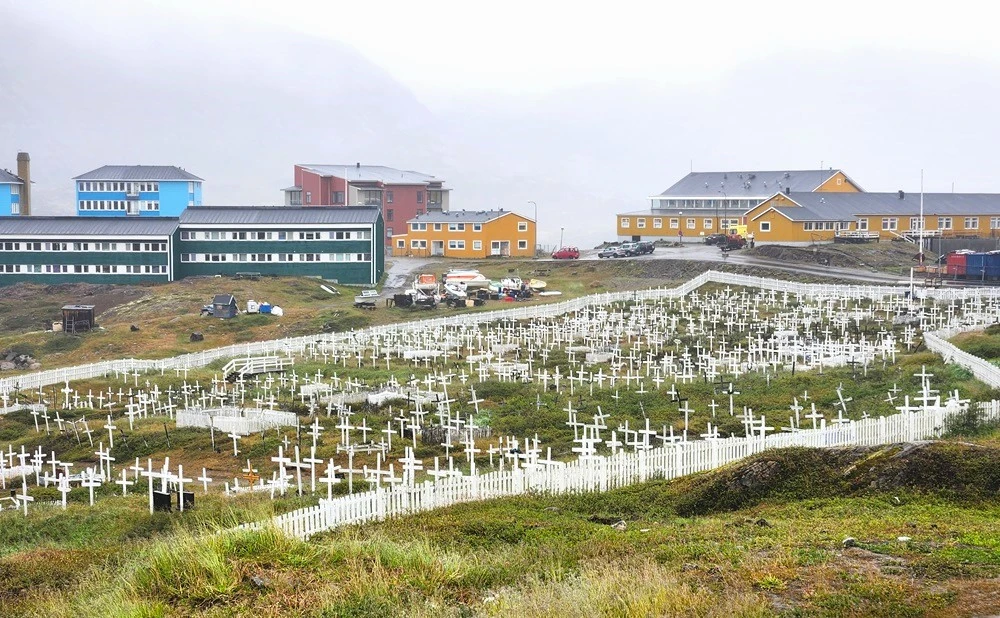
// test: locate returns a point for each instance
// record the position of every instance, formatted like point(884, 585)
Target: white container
point(253, 306)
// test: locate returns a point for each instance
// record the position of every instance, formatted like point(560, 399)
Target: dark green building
point(336, 243)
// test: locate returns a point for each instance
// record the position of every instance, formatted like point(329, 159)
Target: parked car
point(629, 249)
point(645, 247)
point(715, 239)
point(608, 252)
point(566, 253)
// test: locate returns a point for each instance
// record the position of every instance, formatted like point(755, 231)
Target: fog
point(238, 100)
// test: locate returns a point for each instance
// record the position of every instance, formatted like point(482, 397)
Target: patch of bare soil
point(869, 255)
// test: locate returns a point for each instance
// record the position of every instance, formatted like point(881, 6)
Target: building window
point(944, 223)
point(657, 223)
point(420, 197)
point(915, 223)
point(972, 223)
point(690, 223)
point(454, 227)
point(388, 197)
point(675, 224)
point(477, 227)
point(890, 223)
point(522, 244)
point(625, 222)
point(400, 244)
point(765, 226)
point(862, 225)
point(388, 214)
point(808, 226)
point(995, 223)
point(338, 197)
point(477, 245)
point(639, 223)
point(707, 224)
point(522, 226)
point(456, 244)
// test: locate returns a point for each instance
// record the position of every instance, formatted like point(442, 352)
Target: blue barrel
point(975, 266)
point(992, 266)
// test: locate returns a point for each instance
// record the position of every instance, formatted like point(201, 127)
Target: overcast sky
point(446, 48)
point(585, 111)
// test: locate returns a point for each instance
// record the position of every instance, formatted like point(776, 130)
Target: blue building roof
point(139, 172)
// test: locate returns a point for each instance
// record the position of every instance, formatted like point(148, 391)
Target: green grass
point(545, 555)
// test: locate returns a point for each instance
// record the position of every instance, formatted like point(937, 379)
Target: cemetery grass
point(690, 547)
point(166, 315)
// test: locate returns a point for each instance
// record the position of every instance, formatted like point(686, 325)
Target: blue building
point(10, 193)
point(136, 190)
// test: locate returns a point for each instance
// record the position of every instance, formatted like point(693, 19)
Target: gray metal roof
point(88, 226)
point(278, 215)
point(7, 178)
point(847, 206)
point(138, 172)
point(742, 185)
point(460, 216)
point(292, 188)
point(372, 173)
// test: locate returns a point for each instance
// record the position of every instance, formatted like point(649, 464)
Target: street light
point(561, 237)
point(536, 223)
point(725, 206)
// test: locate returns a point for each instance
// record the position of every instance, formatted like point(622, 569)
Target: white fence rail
point(604, 473)
point(242, 422)
point(299, 345)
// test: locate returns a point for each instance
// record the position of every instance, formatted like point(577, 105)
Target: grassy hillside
point(166, 315)
point(923, 520)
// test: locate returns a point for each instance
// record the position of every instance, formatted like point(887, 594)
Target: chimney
point(788, 190)
point(358, 165)
point(24, 172)
point(901, 194)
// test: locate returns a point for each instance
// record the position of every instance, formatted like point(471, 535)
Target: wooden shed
point(224, 306)
point(78, 318)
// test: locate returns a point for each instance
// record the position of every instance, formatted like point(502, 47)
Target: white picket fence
point(299, 345)
point(605, 473)
point(242, 422)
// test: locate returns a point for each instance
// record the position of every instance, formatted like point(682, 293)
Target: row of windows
point(825, 225)
point(128, 187)
point(276, 257)
point(83, 269)
point(336, 235)
point(675, 223)
point(15, 189)
point(943, 223)
point(477, 245)
point(452, 227)
point(522, 226)
point(144, 247)
point(706, 203)
point(148, 205)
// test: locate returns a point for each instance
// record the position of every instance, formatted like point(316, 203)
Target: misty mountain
point(238, 103)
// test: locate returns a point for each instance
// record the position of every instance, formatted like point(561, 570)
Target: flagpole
point(921, 253)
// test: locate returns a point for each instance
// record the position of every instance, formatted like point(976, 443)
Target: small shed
point(224, 306)
point(78, 318)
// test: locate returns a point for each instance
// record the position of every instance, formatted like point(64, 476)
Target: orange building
point(704, 203)
point(467, 234)
point(806, 218)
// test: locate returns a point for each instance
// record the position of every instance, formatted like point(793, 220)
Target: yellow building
point(467, 234)
point(806, 218)
point(704, 203)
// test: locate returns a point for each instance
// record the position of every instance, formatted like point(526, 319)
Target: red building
point(401, 194)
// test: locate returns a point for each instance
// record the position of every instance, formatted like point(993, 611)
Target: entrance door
point(437, 247)
point(132, 206)
point(500, 247)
